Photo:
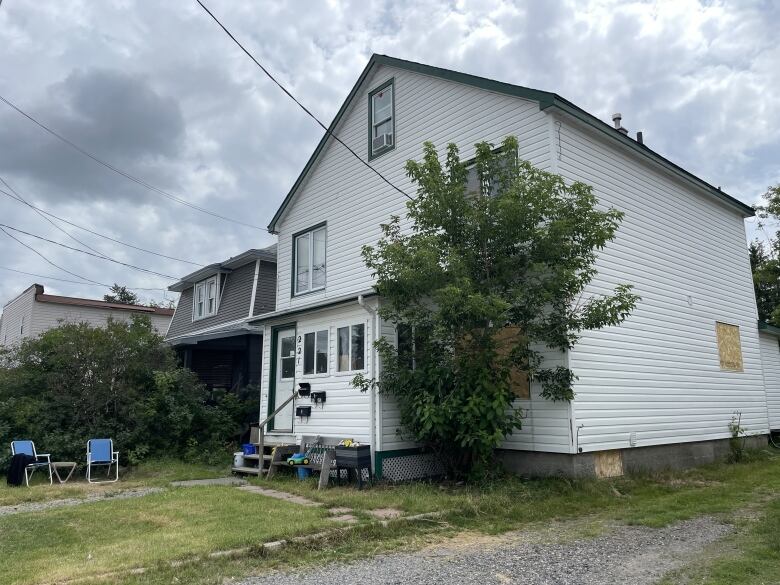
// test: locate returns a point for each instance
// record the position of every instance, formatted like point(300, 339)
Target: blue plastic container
point(302, 472)
point(249, 449)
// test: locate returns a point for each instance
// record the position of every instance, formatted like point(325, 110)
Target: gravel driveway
point(635, 555)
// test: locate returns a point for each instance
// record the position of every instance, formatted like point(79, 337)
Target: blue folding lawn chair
point(41, 459)
point(101, 452)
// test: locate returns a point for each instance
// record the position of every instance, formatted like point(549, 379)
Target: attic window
point(381, 120)
point(205, 299)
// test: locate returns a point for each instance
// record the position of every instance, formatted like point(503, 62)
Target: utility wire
point(81, 227)
point(84, 278)
point(2, 225)
point(47, 277)
point(125, 174)
point(304, 108)
point(39, 212)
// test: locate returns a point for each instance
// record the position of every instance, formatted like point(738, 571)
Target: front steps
point(258, 463)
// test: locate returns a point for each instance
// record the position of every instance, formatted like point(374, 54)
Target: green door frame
point(272, 376)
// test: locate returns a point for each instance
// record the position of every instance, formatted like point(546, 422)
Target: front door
point(285, 379)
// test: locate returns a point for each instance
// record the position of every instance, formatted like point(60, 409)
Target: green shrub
point(77, 382)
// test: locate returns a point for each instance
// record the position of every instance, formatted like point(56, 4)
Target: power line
point(125, 174)
point(304, 108)
point(23, 200)
point(81, 227)
point(47, 277)
point(57, 266)
point(2, 225)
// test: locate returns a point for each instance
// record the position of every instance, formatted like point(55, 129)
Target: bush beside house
point(77, 382)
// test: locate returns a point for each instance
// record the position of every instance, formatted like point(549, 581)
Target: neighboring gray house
point(209, 328)
point(33, 312)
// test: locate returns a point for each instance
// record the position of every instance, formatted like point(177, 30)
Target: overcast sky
point(156, 89)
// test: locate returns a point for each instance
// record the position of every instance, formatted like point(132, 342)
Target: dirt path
point(94, 497)
point(636, 555)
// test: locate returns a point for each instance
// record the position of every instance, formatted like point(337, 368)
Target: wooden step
point(247, 470)
point(256, 456)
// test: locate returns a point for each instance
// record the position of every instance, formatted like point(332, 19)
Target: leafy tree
point(76, 382)
point(121, 294)
point(765, 261)
point(486, 281)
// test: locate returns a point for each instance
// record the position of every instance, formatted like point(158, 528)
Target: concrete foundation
point(621, 461)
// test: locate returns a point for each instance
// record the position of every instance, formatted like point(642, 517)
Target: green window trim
point(372, 154)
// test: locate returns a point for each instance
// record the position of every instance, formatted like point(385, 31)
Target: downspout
point(374, 357)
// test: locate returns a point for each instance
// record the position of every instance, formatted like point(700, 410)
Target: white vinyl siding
point(16, 319)
point(347, 411)
point(354, 201)
point(658, 375)
point(770, 358)
point(49, 315)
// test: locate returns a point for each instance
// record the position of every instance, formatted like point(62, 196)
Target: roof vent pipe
point(616, 118)
point(640, 138)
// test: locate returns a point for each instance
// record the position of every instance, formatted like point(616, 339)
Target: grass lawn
point(113, 534)
point(157, 473)
point(188, 523)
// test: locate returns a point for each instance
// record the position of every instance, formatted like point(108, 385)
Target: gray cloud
point(161, 92)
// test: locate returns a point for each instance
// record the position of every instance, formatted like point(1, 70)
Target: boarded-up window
point(507, 338)
point(729, 347)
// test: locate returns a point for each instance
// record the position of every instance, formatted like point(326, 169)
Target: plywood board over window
point(507, 337)
point(729, 347)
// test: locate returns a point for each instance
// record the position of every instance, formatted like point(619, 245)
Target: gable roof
point(543, 98)
point(266, 254)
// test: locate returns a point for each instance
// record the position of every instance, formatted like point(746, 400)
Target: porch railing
point(261, 430)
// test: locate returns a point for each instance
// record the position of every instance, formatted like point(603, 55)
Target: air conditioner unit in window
point(382, 141)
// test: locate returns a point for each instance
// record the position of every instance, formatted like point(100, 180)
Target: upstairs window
point(205, 299)
point(474, 186)
point(309, 252)
point(381, 118)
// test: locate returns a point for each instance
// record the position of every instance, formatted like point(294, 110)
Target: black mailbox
point(304, 389)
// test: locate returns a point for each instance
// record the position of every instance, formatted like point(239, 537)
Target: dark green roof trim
point(543, 98)
point(767, 328)
point(567, 107)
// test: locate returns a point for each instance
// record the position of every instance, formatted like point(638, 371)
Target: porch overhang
point(195, 338)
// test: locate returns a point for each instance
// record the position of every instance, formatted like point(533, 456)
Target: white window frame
point(309, 285)
point(317, 333)
point(349, 348)
point(21, 325)
point(204, 286)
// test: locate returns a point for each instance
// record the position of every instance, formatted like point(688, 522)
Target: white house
point(659, 390)
point(33, 312)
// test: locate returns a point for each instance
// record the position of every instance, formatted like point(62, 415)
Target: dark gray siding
point(265, 300)
point(234, 304)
